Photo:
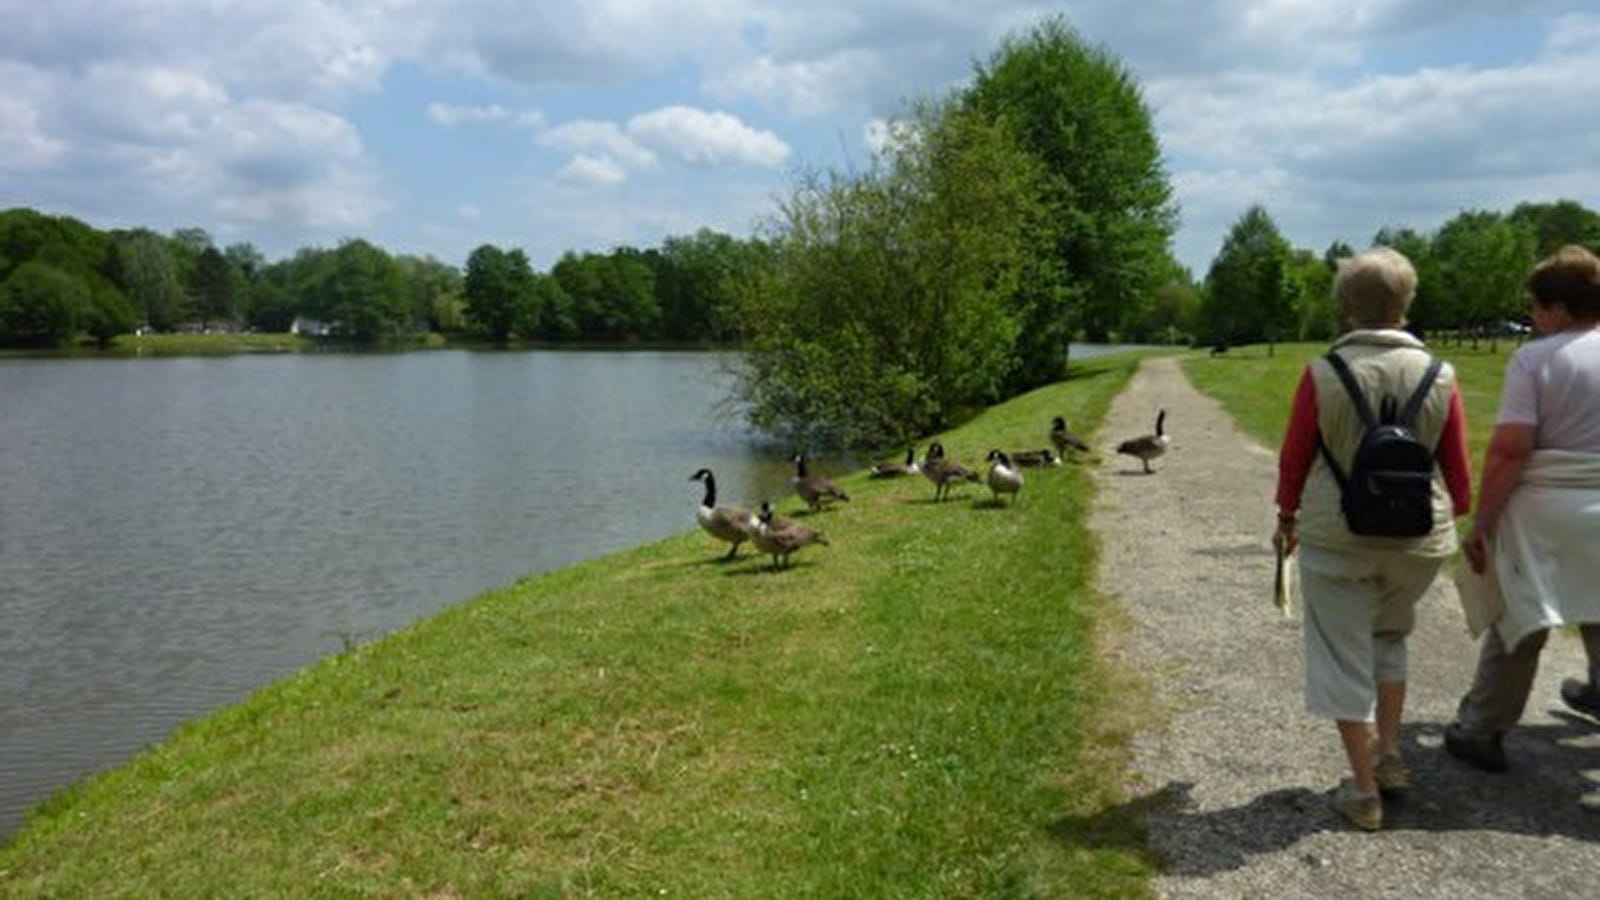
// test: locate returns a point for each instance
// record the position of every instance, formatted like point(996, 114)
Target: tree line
point(996, 224)
point(1470, 274)
point(62, 281)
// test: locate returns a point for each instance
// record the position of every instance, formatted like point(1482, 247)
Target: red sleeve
point(1299, 448)
point(1452, 455)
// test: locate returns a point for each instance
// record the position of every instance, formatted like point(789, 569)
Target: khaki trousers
point(1504, 678)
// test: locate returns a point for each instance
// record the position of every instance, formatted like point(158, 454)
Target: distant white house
point(309, 327)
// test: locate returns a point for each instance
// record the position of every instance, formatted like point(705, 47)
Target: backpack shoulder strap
point(1363, 406)
point(1408, 415)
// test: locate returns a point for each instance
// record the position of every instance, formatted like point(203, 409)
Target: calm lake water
point(175, 533)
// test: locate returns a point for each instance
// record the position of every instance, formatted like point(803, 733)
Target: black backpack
point(1389, 491)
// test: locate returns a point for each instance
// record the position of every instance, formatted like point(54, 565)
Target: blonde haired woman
point(1539, 512)
point(1360, 591)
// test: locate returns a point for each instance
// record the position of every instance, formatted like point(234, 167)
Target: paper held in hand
point(1283, 579)
point(1481, 600)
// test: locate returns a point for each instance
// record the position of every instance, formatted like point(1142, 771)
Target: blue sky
point(432, 127)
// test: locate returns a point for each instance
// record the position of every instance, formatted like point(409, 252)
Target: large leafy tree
point(1248, 294)
point(215, 286)
point(40, 305)
point(1102, 248)
point(497, 286)
point(888, 301)
point(148, 274)
point(1557, 224)
point(364, 292)
point(1483, 259)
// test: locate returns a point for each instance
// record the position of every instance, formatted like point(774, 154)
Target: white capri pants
point(1359, 608)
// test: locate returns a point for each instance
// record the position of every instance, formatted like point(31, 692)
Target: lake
point(175, 533)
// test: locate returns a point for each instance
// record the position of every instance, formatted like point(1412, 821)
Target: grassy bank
point(1258, 389)
point(914, 711)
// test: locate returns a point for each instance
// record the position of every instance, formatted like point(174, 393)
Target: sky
point(431, 128)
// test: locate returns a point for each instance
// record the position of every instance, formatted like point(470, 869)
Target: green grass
point(207, 344)
point(1258, 390)
point(914, 711)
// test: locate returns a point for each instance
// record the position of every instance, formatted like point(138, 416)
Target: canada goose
point(815, 490)
point(1035, 458)
point(1062, 438)
point(898, 470)
point(1149, 446)
point(943, 471)
point(725, 523)
point(779, 540)
point(1002, 477)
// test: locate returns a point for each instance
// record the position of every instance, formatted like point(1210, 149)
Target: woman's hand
point(1477, 550)
point(1285, 536)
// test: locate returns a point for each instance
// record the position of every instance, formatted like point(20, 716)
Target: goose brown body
point(733, 524)
point(780, 540)
point(1149, 446)
point(815, 489)
point(1064, 439)
point(944, 472)
point(898, 470)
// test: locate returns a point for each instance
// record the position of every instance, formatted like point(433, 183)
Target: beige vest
point(1387, 361)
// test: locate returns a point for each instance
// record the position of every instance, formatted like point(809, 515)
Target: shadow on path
point(1538, 798)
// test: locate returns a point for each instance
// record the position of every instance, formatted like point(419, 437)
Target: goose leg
point(732, 550)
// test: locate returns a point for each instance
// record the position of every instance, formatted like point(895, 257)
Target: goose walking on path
point(1149, 446)
point(733, 524)
point(1002, 477)
point(780, 540)
point(815, 490)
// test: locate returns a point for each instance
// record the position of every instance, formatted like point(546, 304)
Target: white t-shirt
point(1553, 383)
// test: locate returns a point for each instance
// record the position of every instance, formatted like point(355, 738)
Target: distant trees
point(94, 284)
point(1249, 295)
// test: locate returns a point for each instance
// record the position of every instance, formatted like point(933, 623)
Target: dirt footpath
point(1233, 774)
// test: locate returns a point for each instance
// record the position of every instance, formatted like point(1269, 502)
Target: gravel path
point(1231, 774)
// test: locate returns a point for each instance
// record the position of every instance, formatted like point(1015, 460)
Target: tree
point(1558, 224)
point(888, 301)
point(497, 285)
point(1311, 279)
point(1101, 249)
point(40, 306)
point(1483, 258)
point(148, 274)
point(215, 284)
point(364, 291)
point(1248, 295)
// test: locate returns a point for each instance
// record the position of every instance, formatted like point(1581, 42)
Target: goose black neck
point(711, 491)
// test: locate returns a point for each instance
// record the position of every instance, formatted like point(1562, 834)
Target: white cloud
point(607, 138)
point(592, 171)
point(708, 138)
point(451, 115)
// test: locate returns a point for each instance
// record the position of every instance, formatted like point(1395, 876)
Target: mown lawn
point(913, 711)
point(1258, 389)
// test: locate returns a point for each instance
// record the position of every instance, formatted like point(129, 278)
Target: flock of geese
point(781, 537)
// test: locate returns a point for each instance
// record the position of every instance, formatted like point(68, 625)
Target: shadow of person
point(1552, 764)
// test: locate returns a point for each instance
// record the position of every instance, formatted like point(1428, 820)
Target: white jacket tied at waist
point(1547, 545)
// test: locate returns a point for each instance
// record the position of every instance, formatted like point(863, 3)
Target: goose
point(1149, 446)
point(815, 490)
point(1002, 477)
point(897, 470)
point(780, 540)
point(725, 523)
point(1063, 439)
point(1035, 458)
point(943, 471)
